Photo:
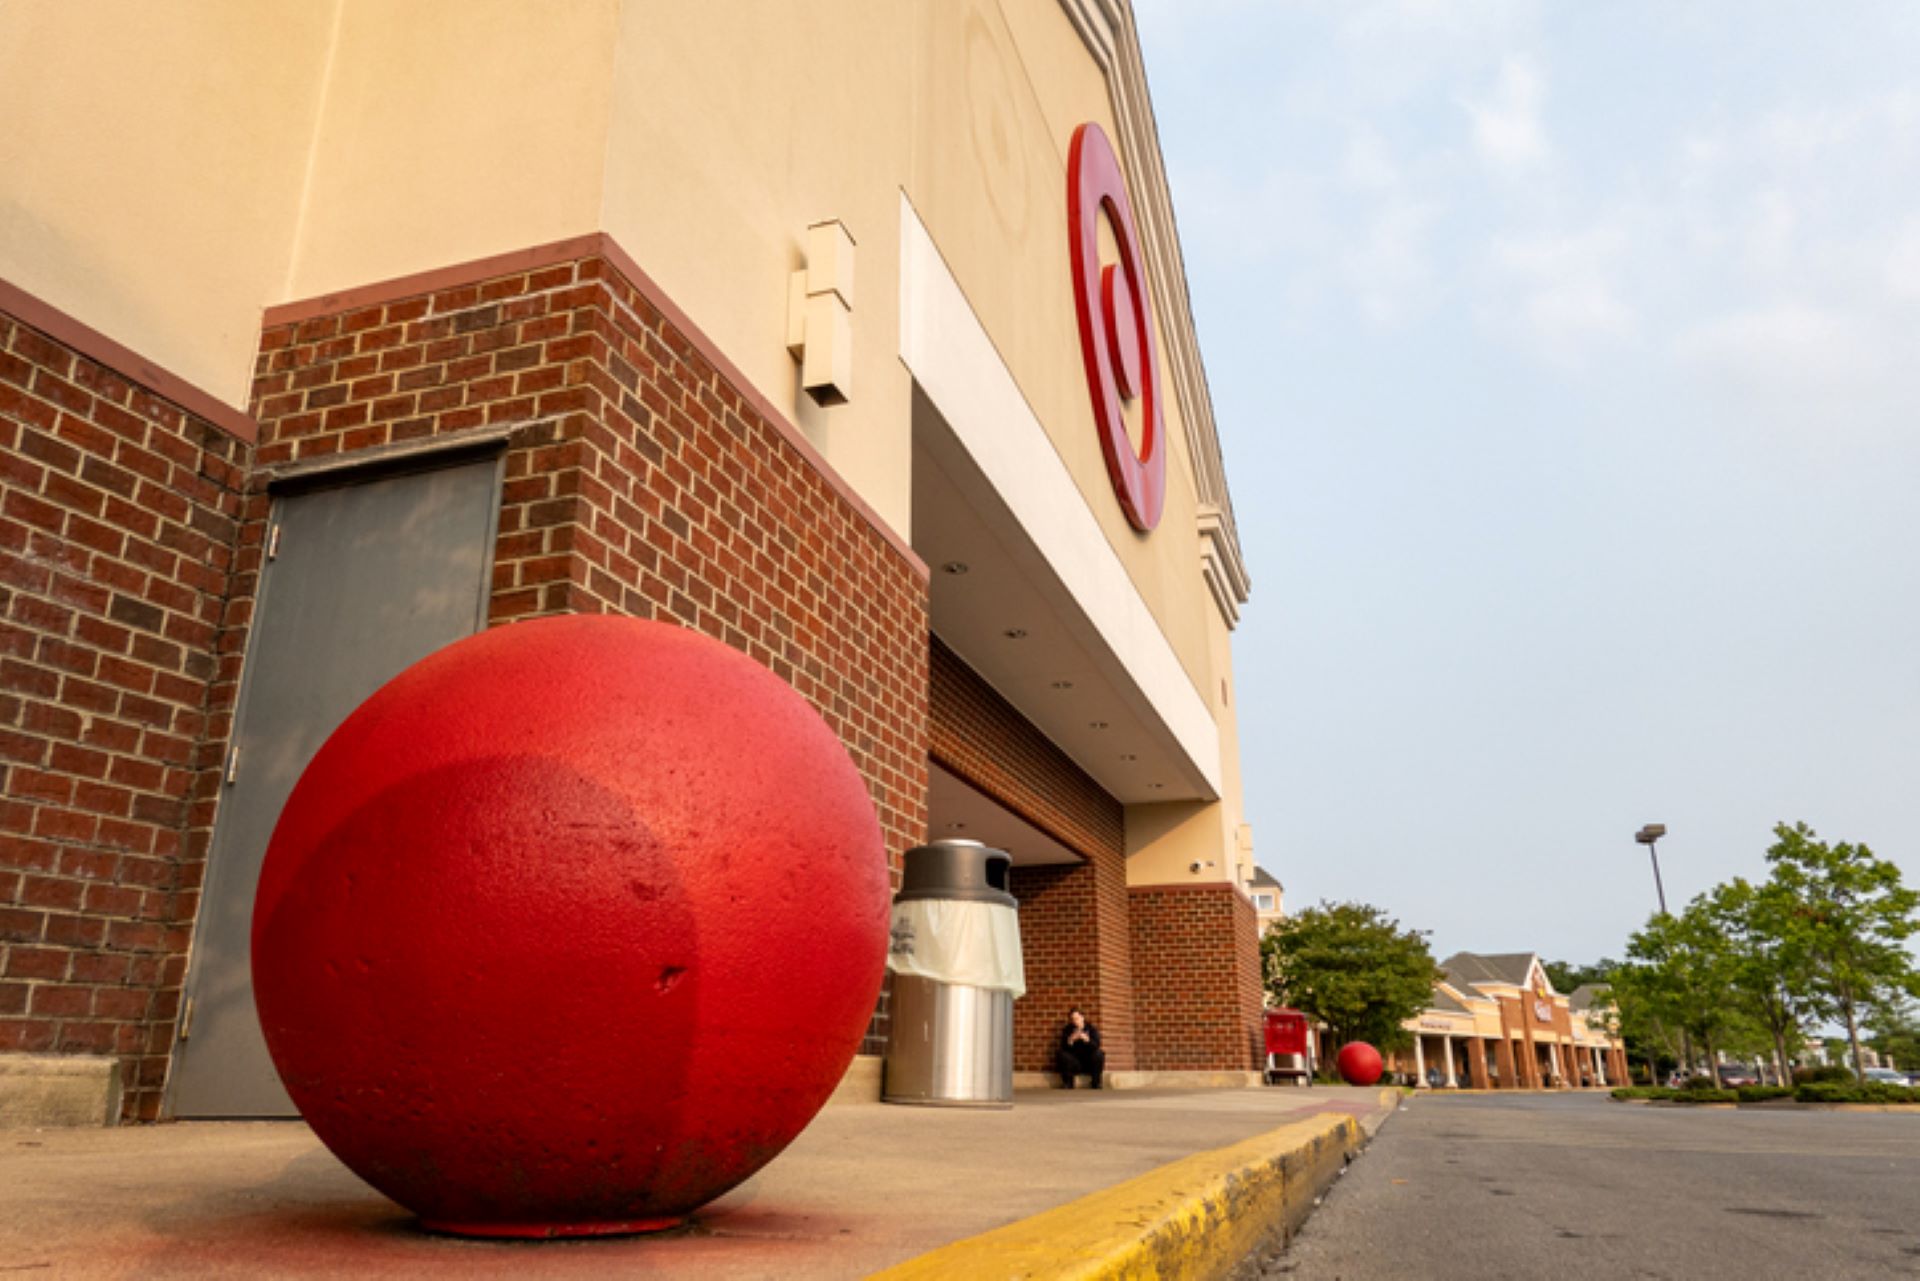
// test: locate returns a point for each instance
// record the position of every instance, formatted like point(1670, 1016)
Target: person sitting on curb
point(1079, 1051)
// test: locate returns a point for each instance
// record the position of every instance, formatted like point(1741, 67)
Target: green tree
point(1769, 970)
point(1645, 1036)
point(1896, 1035)
point(1852, 917)
point(1353, 968)
point(1679, 970)
point(1566, 976)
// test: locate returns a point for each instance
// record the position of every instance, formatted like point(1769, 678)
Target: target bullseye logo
point(1117, 337)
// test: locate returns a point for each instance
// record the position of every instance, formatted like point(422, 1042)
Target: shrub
point(1847, 1092)
point(1705, 1095)
point(1698, 1082)
point(1642, 1092)
point(1761, 1093)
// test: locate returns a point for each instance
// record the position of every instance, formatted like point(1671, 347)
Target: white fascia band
point(944, 346)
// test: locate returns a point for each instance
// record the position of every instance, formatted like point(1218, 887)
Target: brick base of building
point(643, 476)
point(117, 535)
point(1196, 967)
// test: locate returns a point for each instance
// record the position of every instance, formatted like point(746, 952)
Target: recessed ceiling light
point(956, 827)
point(954, 567)
point(1158, 786)
point(1015, 633)
point(1096, 724)
point(1128, 756)
point(1063, 684)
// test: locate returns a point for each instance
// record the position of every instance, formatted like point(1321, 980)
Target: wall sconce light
point(820, 315)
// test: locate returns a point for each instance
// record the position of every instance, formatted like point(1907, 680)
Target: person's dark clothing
point(1073, 1058)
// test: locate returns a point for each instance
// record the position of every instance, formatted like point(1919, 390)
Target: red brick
point(60, 1002)
point(27, 1036)
point(36, 963)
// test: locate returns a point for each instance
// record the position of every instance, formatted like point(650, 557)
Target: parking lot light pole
point(1647, 836)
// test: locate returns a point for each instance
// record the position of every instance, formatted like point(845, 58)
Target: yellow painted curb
point(1196, 1217)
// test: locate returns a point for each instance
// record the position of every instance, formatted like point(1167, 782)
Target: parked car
point(1735, 1075)
point(1887, 1076)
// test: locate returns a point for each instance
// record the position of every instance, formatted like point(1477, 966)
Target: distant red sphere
point(1359, 1063)
point(570, 927)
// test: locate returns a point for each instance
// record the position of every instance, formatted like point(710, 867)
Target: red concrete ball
point(571, 927)
point(1359, 1063)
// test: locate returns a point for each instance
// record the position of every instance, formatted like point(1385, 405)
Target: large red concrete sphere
point(570, 928)
point(1359, 1063)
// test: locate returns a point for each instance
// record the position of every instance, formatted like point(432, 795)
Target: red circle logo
point(1116, 326)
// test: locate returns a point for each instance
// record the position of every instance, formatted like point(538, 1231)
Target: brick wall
point(983, 738)
point(116, 535)
point(640, 479)
point(1073, 919)
point(1196, 967)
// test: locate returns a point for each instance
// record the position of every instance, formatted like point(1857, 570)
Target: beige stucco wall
point(151, 164)
point(731, 134)
point(1001, 89)
point(168, 171)
point(451, 130)
point(1165, 841)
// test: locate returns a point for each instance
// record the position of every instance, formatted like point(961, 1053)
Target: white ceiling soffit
point(956, 811)
point(990, 492)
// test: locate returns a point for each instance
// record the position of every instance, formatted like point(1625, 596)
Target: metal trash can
point(957, 970)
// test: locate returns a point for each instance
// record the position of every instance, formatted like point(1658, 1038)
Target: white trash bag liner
point(954, 941)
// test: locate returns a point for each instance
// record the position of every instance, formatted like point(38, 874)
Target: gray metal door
point(363, 577)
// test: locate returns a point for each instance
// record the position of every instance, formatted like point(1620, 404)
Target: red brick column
point(117, 534)
point(1510, 1078)
point(1477, 1063)
point(1064, 920)
point(1530, 1052)
point(1196, 978)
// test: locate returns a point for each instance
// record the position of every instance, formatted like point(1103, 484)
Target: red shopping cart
point(1289, 1036)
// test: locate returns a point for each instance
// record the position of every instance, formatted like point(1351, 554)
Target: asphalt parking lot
point(1538, 1185)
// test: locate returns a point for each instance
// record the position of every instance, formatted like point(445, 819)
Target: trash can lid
point(966, 871)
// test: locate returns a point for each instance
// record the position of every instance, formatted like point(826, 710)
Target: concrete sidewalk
point(867, 1187)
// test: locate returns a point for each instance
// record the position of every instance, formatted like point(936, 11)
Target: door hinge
point(233, 763)
point(273, 541)
point(186, 1019)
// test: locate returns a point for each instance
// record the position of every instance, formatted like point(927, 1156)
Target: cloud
point(1789, 346)
point(1565, 289)
point(1387, 266)
point(1902, 271)
point(1359, 233)
point(1507, 132)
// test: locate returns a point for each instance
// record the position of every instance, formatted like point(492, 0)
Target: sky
point(1564, 362)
